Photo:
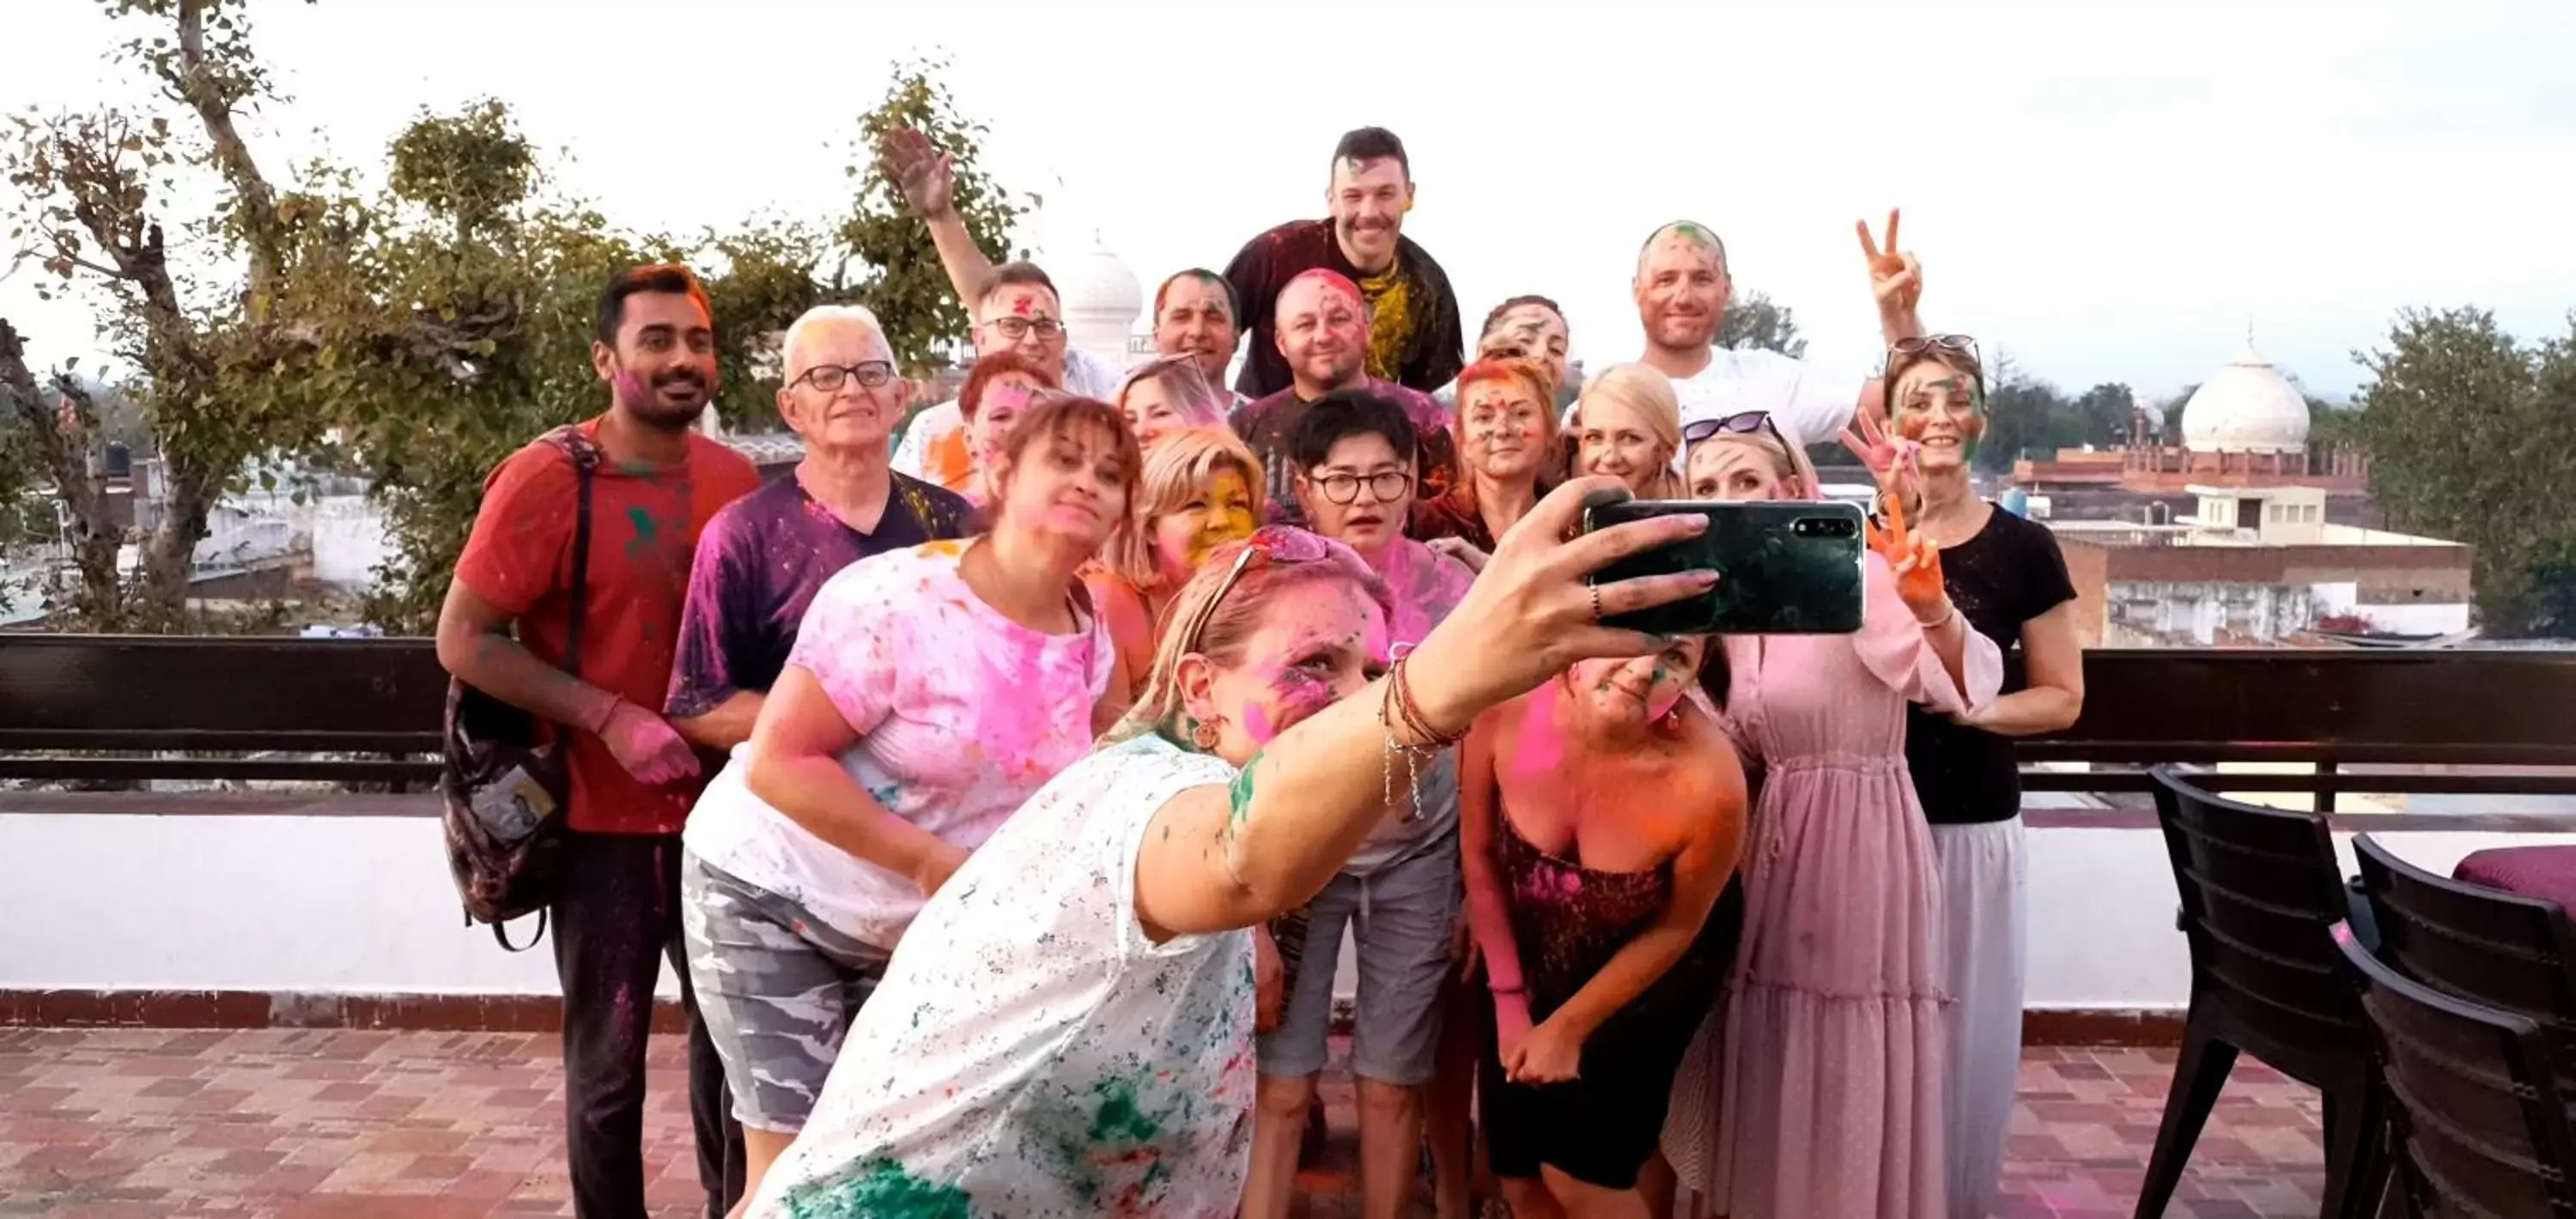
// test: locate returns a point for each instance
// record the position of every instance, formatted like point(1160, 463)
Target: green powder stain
point(1239, 793)
point(1105, 1145)
point(646, 531)
point(1119, 1119)
point(882, 1190)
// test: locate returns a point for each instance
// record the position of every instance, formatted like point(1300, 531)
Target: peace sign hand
point(1894, 277)
point(1912, 558)
point(1885, 455)
point(926, 176)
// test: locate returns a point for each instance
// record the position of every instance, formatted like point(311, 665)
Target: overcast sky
point(2107, 194)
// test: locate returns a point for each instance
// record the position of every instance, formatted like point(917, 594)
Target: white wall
point(363, 905)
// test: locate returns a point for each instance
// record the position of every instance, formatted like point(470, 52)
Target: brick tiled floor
point(297, 1124)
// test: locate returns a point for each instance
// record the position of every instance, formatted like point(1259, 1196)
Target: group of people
point(1003, 783)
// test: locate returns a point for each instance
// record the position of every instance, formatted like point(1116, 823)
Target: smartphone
point(1788, 567)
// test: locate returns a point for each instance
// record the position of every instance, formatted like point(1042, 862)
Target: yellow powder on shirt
point(1390, 320)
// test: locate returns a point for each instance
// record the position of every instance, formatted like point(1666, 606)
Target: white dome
point(2248, 407)
point(1102, 298)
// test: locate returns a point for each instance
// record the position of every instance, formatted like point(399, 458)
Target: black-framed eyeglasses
point(1385, 485)
point(1915, 345)
point(1017, 328)
point(1741, 423)
point(829, 378)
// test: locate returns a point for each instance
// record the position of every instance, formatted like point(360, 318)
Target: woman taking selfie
point(2008, 578)
point(1600, 816)
point(1628, 425)
point(1840, 962)
point(1071, 1029)
point(886, 752)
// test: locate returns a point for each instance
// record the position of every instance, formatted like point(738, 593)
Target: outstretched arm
point(1221, 858)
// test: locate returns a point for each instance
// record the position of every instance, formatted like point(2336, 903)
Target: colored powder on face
point(1256, 721)
point(883, 1190)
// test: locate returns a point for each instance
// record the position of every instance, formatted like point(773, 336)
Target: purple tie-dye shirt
point(759, 564)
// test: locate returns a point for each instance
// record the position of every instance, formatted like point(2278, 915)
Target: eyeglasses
point(1741, 423)
point(1924, 344)
point(1271, 543)
point(829, 378)
point(1384, 486)
point(1017, 328)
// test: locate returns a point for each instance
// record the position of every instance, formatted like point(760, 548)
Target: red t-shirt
point(644, 525)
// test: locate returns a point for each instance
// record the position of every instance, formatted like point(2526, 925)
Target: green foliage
point(760, 278)
point(2472, 437)
point(1754, 320)
point(473, 167)
point(903, 282)
point(2028, 417)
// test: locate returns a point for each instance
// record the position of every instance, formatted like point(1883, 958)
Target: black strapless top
point(1569, 920)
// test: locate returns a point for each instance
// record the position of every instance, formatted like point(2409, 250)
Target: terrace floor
point(312, 1123)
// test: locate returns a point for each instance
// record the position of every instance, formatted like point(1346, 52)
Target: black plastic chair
point(2478, 1116)
point(2261, 895)
point(2484, 945)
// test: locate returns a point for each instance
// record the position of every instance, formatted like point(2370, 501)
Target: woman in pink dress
point(1818, 1091)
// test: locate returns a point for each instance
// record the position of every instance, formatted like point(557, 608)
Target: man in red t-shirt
point(633, 777)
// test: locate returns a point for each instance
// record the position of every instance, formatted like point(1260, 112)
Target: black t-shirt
point(2008, 574)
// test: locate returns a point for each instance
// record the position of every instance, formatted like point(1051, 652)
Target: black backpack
point(506, 782)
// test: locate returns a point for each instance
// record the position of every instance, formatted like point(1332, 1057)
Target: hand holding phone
point(1784, 567)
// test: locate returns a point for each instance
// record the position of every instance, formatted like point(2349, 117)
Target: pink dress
point(1817, 1092)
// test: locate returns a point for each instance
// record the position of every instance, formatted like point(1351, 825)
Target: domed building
point(2246, 426)
point(2248, 407)
point(1102, 300)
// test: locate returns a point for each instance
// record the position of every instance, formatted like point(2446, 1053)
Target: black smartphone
point(1789, 567)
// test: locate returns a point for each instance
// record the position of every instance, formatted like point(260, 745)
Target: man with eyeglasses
point(1322, 335)
point(1682, 288)
point(1016, 311)
point(762, 559)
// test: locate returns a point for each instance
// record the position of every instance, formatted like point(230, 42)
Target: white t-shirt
point(1030, 1052)
point(1808, 406)
point(1085, 375)
point(914, 660)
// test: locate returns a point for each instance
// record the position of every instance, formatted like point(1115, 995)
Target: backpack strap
point(501, 932)
point(585, 456)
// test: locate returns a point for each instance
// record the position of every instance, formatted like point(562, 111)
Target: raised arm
point(1554, 1049)
point(1896, 283)
point(927, 179)
point(1215, 859)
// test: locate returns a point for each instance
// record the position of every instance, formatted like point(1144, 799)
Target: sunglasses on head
point(1741, 423)
point(1924, 344)
point(1270, 543)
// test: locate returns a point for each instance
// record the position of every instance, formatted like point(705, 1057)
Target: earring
point(1203, 732)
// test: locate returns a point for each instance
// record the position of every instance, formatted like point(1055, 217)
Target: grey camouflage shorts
point(776, 988)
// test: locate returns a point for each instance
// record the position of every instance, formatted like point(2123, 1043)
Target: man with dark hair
point(1195, 314)
point(1414, 337)
point(1015, 310)
point(617, 915)
point(1321, 337)
point(1354, 455)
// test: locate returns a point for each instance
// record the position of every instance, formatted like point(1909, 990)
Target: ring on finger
point(1596, 602)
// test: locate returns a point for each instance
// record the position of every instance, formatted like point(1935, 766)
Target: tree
point(904, 283)
point(760, 278)
point(95, 188)
point(1755, 320)
point(2102, 415)
point(2025, 416)
point(2472, 437)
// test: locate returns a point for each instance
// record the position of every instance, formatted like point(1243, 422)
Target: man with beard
point(1682, 289)
point(616, 916)
point(1322, 339)
point(1413, 329)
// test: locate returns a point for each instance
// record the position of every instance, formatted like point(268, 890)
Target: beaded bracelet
point(1397, 710)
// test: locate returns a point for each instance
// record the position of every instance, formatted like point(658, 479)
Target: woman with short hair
point(1163, 396)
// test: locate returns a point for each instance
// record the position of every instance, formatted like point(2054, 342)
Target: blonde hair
point(1225, 639)
point(1787, 460)
point(1179, 469)
point(1648, 395)
point(1185, 385)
